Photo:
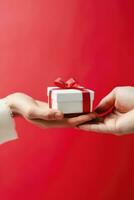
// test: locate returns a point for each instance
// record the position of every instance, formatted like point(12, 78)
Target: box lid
point(68, 94)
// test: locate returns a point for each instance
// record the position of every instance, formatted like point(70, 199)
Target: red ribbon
point(72, 84)
point(69, 84)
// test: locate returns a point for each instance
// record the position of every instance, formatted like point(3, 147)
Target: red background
point(92, 41)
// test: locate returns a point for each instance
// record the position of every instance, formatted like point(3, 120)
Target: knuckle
point(49, 116)
point(72, 122)
point(30, 113)
point(116, 89)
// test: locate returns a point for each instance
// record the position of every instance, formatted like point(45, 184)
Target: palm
point(119, 121)
point(111, 122)
point(50, 121)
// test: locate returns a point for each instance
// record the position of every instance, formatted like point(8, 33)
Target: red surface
point(92, 41)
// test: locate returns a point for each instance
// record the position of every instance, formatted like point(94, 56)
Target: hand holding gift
point(34, 111)
point(38, 112)
point(115, 113)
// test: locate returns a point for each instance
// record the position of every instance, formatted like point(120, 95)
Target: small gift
point(69, 97)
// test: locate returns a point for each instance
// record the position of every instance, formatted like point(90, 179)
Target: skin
point(39, 114)
point(114, 114)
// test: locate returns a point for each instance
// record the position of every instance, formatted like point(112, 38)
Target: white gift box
point(68, 101)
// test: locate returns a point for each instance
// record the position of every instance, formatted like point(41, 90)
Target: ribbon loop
point(70, 83)
point(59, 83)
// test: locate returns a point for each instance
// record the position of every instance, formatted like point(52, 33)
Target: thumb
point(46, 114)
point(106, 103)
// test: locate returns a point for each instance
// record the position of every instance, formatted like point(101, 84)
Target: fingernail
point(99, 110)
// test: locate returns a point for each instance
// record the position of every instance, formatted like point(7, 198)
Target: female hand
point(38, 112)
point(120, 119)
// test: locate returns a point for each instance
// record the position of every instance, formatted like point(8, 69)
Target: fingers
point(64, 123)
point(41, 123)
point(81, 119)
point(41, 110)
point(50, 123)
point(43, 113)
point(49, 114)
point(100, 128)
point(106, 103)
point(101, 125)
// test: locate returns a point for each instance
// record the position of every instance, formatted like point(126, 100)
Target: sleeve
point(7, 124)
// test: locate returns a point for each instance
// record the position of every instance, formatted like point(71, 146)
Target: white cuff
point(7, 124)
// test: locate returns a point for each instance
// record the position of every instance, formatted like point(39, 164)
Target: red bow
point(70, 83)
